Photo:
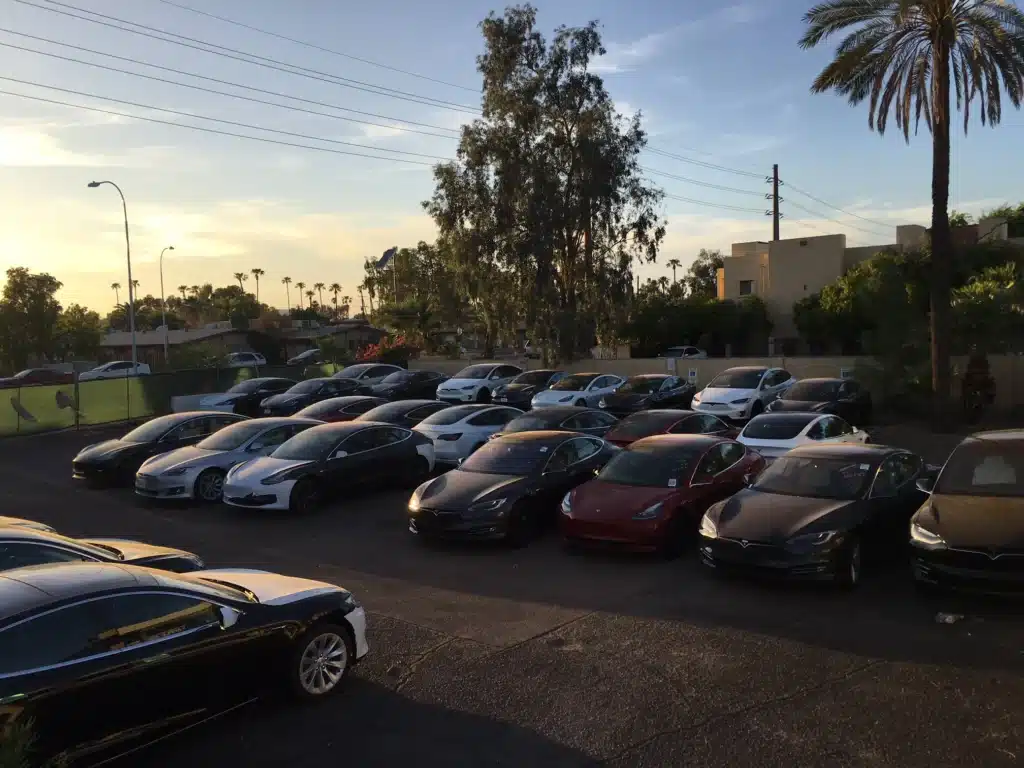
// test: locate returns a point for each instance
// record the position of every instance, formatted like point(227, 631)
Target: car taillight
point(452, 436)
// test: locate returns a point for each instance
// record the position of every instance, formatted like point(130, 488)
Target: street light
point(163, 302)
point(131, 287)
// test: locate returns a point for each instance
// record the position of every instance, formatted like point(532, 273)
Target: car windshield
point(652, 467)
point(305, 387)
point(449, 416)
point(307, 354)
point(533, 378)
point(643, 425)
point(575, 383)
point(474, 372)
point(527, 423)
point(231, 438)
point(388, 411)
point(641, 385)
point(737, 379)
point(776, 427)
point(398, 377)
point(818, 478)
point(24, 374)
point(984, 468)
point(310, 445)
point(354, 371)
point(813, 391)
point(507, 457)
point(152, 430)
point(247, 386)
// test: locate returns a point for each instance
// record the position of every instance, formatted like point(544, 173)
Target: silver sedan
point(197, 472)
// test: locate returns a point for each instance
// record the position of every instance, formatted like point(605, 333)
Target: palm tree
point(182, 289)
point(135, 285)
point(257, 274)
point(319, 288)
point(241, 277)
point(674, 264)
point(288, 295)
point(117, 293)
point(346, 304)
point(194, 290)
point(300, 286)
point(310, 295)
point(335, 289)
point(904, 56)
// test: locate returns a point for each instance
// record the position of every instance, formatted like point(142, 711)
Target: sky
point(725, 92)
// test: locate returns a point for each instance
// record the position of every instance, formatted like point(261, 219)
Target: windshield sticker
point(672, 483)
point(865, 467)
point(544, 449)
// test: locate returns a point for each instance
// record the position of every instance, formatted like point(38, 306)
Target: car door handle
point(155, 659)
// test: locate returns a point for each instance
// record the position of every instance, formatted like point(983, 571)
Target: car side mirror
point(255, 447)
point(228, 617)
point(926, 484)
point(749, 479)
point(339, 454)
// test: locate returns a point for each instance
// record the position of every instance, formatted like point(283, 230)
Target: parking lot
point(487, 656)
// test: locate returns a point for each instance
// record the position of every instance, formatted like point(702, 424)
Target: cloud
point(30, 148)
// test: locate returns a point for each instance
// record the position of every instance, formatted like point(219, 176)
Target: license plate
point(500, 399)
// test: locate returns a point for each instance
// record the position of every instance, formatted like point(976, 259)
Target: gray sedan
point(197, 472)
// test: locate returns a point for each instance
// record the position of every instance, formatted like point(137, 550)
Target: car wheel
point(320, 661)
point(581, 403)
point(848, 569)
point(209, 486)
point(304, 496)
point(756, 409)
point(484, 395)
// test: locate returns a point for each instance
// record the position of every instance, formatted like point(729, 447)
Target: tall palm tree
point(910, 57)
point(310, 295)
point(117, 293)
point(335, 289)
point(256, 275)
point(319, 288)
point(183, 289)
point(674, 264)
point(194, 290)
point(241, 277)
point(135, 285)
point(301, 287)
point(287, 281)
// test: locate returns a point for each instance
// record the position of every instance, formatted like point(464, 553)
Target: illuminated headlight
point(176, 472)
point(651, 513)
point(742, 401)
point(696, 397)
point(491, 505)
point(567, 504)
point(417, 495)
point(565, 399)
point(602, 403)
point(708, 529)
point(808, 540)
point(283, 476)
point(925, 539)
point(468, 387)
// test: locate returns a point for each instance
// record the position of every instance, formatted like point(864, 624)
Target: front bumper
point(160, 487)
point(275, 497)
point(456, 395)
point(724, 410)
point(356, 619)
point(761, 560)
point(520, 402)
point(447, 524)
point(95, 472)
point(636, 534)
point(970, 571)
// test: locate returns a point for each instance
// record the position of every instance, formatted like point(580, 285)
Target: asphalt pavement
point(491, 657)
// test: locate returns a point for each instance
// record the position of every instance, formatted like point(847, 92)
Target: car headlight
point(417, 495)
point(176, 472)
point(696, 397)
point(468, 387)
point(708, 529)
point(925, 539)
point(565, 399)
point(602, 403)
point(813, 539)
point(567, 504)
point(771, 405)
point(349, 601)
point(742, 401)
point(491, 505)
point(283, 476)
point(651, 513)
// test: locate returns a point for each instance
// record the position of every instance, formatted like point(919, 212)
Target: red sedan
point(653, 494)
point(667, 422)
point(340, 408)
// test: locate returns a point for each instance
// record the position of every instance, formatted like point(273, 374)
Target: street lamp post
point(131, 287)
point(163, 302)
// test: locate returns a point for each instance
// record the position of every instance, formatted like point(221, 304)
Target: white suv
point(742, 393)
point(243, 360)
point(118, 369)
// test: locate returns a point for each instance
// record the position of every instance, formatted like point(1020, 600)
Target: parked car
point(310, 357)
point(326, 461)
point(368, 374)
point(648, 390)
point(476, 383)
point(508, 489)
point(243, 360)
point(21, 547)
point(667, 422)
point(531, 352)
point(107, 658)
point(690, 353)
point(741, 393)
point(564, 418)
point(409, 385)
point(197, 472)
point(117, 369)
point(403, 413)
point(36, 376)
point(845, 398)
point(245, 397)
point(817, 513)
point(580, 389)
point(115, 462)
point(310, 391)
point(969, 533)
point(652, 495)
point(773, 434)
point(341, 408)
point(520, 391)
point(8, 522)
point(458, 431)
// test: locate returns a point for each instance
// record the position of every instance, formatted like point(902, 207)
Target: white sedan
point(773, 434)
point(582, 389)
point(461, 429)
point(118, 369)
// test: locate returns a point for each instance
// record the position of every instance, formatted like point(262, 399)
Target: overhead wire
point(707, 204)
point(834, 207)
point(699, 183)
point(819, 215)
point(704, 164)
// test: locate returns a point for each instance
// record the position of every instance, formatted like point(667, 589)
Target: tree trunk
point(941, 237)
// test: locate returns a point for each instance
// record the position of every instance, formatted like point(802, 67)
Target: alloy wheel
point(323, 663)
point(854, 565)
point(211, 486)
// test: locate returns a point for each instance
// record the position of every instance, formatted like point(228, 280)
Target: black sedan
point(21, 546)
point(520, 391)
point(969, 534)
point(817, 513)
point(116, 461)
point(567, 418)
point(308, 392)
point(649, 390)
point(845, 398)
point(246, 396)
point(404, 413)
point(102, 658)
point(409, 385)
point(508, 489)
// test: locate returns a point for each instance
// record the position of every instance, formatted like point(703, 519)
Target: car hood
point(271, 588)
point(138, 550)
point(179, 457)
point(626, 399)
point(977, 522)
point(800, 406)
point(460, 383)
point(285, 399)
point(458, 489)
point(724, 394)
point(22, 523)
point(255, 470)
point(383, 389)
point(599, 501)
point(758, 516)
point(521, 389)
point(556, 395)
point(108, 449)
point(220, 398)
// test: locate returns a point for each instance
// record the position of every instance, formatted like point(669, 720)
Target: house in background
point(347, 335)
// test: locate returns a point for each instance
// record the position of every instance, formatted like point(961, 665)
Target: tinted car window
point(820, 478)
point(508, 371)
point(737, 379)
point(448, 416)
point(133, 619)
point(306, 387)
point(191, 429)
point(354, 371)
point(64, 635)
point(474, 372)
point(649, 467)
point(777, 427)
point(507, 457)
point(231, 437)
point(692, 425)
point(359, 408)
point(22, 554)
point(813, 391)
point(714, 461)
point(275, 437)
point(526, 423)
point(364, 440)
point(417, 414)
point(731, 453)
point(643, 424)
point(493, 418)
point(583, 448)
point(641, 385)
point(984, 468)
point(309, 445)
point(533, 378)
point(152, 430)
point(577, 382)
point(588, 420)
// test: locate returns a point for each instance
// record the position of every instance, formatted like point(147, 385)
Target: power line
point(713, 205)
point(215, 80)
point(249, 58)
point(803, 223)
point(211, 119)
point(835, 207)
point(819, 215)
point(314, 46)
point(707, 184)
point(700, 163)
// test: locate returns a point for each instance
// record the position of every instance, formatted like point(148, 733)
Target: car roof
point(1000, 435)
point(872, 451)
point(558, 412)
point(269, 422)
point(174, 418)
point(541, 436)
point(342, 400)
point(747, 368)
point(822, 380)
point(652, 375)
point(342, 428)
point(404, 406)
point(316, 378)
point(23, 589)
point(25, 533)
point(678, 441)
point(788, 417)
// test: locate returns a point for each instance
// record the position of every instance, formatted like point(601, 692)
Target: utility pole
point(774, 197)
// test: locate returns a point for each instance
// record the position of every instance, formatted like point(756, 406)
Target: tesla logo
point(744, 543)
point(437, 512)
point(992, 555)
